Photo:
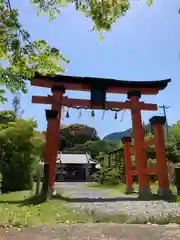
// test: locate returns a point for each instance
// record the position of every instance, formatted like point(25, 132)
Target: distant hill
point(118, 135)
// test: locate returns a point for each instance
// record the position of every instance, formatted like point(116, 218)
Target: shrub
point(20, 150)
point(107, 175)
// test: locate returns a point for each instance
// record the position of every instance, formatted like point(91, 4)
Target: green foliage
point(75, 134)
point(22, 57)
point(175, 131)
point(173, 145)
point(148, 131)
point(7, 116)
point(150, 3)
point(20, 151)
point(107, 175)
point(172, 152)
point(2, 92)
point(95, 147)
point(16, 103)
point(102, 13)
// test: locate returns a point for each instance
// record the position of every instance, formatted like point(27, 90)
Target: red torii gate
point(98, 88)
point(160, 170)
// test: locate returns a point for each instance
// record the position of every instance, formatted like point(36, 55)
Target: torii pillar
point(157, 123)
point(51, 116)
point(140, 151)
point(52, 138)
point(128, 164)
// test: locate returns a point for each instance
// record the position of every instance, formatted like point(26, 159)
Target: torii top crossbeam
point(109, 85)
point(98, 88)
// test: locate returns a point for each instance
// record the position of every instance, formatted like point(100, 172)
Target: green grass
point(115, 190)
point(18, 210)
point(15, 212)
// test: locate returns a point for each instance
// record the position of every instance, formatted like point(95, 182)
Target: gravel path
point(94, 232)
point(100, 201)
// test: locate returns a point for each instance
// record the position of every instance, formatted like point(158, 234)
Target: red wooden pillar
point(128, 164)
point(51, 116)
point(57, 92)
point(157, 123)
point(140, 151)
point(53, 135)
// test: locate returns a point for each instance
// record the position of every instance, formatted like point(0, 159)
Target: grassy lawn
point(13, 212)
point(115, 190)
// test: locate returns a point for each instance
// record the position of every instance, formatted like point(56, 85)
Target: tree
point(20, 152)
point(175, 132)
point(107, 175)
point(24, 58)
point(7, 116)
point(74, 134)
point(102, 13)
point(95, 147)
point(173, 147)
point(16, 103)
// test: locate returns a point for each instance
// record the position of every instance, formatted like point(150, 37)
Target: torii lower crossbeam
point(70, 102)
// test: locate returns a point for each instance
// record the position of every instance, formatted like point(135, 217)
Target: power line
point(164, 107)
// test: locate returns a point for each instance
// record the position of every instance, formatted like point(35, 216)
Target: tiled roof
point(3, 119)
point(75, 158)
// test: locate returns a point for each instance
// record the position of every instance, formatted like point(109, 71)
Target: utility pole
point(164, 107)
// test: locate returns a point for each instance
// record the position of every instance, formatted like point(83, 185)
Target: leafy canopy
point(102, 13)
point(21, 58)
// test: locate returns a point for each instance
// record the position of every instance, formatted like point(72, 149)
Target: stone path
point(94, 232)
point(101, 201)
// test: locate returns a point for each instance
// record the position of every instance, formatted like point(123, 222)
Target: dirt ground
point(94, 232)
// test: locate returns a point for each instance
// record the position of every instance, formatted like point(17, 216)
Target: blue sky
point(143, 45)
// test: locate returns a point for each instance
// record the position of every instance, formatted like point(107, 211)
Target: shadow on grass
point(34, 200)
point(41, 198)
point(154, 197)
